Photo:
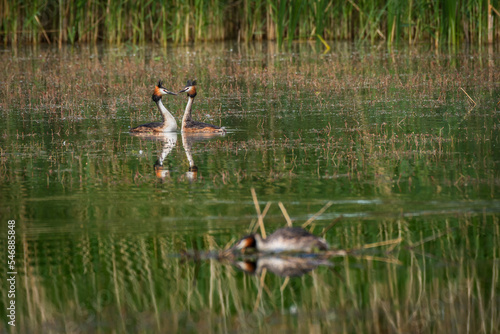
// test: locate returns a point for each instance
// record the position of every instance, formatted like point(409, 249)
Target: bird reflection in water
point(288, 252)
point(289, 266)
point(187, 142)
point(169, 140)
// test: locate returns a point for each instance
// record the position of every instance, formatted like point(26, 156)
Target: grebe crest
point(190, 88)
point(160, 91)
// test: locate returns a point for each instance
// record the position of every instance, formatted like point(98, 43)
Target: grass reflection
point(139, 283)
point(386, 141)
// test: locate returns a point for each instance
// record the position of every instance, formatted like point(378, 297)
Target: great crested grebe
point(287, 239)
point(188, 125)
point(168, 124)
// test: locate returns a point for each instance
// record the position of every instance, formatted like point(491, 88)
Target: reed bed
point(446, 22)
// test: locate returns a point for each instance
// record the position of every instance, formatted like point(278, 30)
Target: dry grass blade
point(380, 259)
point(431, 238)
point(259, 213)
point(326, 229)
point(255, 202)
point(229, 244)
point(260, 220)
point(285, 214)
point(261, 286)
point(470, 98)
point(317, 214)
point(382, 243)
point(494, 10)
point(285, 283)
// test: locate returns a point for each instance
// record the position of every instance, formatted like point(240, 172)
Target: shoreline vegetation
point(443, 22)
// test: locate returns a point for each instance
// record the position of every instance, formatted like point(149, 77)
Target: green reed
point(117, 21)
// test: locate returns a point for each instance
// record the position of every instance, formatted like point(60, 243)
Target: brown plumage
point(149, 128)
point(193, 126)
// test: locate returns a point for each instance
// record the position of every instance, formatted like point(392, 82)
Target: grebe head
point(160, 171)
point(192, 173)
point(246, 242)
point(249, 267)
point(190, 88)
point(160, 91)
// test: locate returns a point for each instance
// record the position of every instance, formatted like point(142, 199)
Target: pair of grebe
point(287, 239)
point(169, 124)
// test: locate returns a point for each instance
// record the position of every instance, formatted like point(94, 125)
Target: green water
point(386, 141)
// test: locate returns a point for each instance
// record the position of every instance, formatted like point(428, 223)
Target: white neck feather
point(169, 123)
point(187, 148)
point(259, 242)
point(187, 112)
point(168, 145)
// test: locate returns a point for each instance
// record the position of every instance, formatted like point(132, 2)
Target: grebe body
point(188, 125)
point(168, 125)
point(287, 239)
point(197, 127)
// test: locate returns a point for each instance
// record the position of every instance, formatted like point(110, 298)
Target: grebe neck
point(169, 123)
point(187, 112)
point(187, 148)
point(259, 242)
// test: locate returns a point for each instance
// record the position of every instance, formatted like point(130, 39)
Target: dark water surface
point(386, 142)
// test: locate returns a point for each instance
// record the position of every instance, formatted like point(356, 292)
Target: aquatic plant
point(117, 21)
point(137, 282)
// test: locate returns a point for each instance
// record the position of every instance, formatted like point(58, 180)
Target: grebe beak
point(246, 266)
point(185, 89)
point(237, 247)
point(171, 93)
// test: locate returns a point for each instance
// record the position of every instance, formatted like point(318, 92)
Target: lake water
point(393, 153)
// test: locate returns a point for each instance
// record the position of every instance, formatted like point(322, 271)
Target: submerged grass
point(108, 281)
point(116, 21)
